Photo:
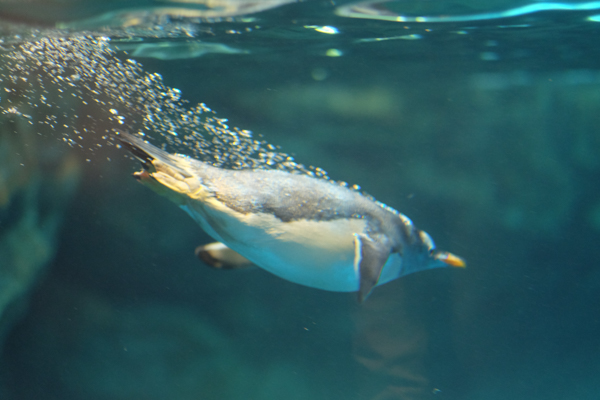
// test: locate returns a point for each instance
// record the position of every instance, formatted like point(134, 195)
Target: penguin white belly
point(319, 254)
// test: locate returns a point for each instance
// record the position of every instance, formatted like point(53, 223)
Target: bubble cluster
point(79, 88)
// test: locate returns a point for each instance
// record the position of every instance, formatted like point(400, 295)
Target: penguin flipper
point(219, 256)
point(370, 257)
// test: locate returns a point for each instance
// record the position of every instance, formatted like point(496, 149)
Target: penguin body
point(307, 230)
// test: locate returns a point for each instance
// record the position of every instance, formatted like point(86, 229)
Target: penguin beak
point(450, 259)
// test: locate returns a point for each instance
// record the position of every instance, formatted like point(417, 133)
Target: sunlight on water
point(380, 9)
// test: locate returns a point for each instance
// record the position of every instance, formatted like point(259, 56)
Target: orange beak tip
point(453, 261)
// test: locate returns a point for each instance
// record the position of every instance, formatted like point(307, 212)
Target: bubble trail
point(79, 88)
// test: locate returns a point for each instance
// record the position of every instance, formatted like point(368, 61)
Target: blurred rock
point(37, 180)
point(83, 345)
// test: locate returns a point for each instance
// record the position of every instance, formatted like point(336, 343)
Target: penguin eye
point(426, 239)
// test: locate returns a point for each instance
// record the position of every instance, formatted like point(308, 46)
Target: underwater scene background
point(477, 119)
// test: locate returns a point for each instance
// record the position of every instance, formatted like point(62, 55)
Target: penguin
point(306, 230)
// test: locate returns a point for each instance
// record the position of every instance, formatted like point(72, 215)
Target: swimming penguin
point(307, 230)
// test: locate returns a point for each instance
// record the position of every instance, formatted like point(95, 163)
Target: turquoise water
point(477, 120)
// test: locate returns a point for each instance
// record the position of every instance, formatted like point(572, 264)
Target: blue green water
point(478, 120)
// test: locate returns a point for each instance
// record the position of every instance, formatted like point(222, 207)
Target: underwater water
point(478, 120)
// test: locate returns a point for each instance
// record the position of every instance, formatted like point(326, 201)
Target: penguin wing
point(370, 257)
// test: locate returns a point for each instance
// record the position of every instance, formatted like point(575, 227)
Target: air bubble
point(80, 73)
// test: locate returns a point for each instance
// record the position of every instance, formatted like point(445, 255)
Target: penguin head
point(422, 254)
